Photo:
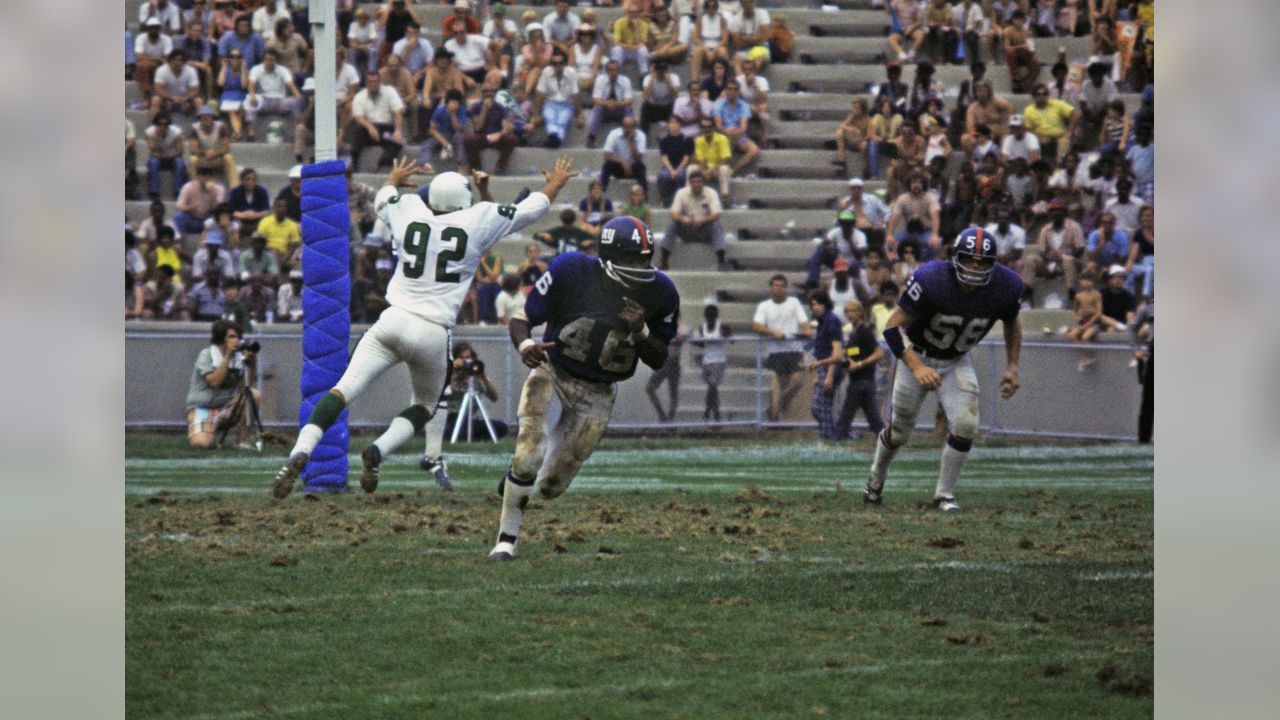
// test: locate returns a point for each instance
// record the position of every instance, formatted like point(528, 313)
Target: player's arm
point(481, 179)
point(895, 334)
point(1012, 353)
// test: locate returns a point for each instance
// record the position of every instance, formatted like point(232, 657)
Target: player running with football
point(439, 244)
point(602, 315)
point(946, 308)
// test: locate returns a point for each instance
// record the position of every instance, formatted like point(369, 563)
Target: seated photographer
point(215, 400)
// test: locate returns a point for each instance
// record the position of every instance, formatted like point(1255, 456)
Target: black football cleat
point(371, 459)
point(283, 484)
point(437, 469)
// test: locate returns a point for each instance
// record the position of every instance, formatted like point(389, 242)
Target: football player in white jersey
point(438, 244)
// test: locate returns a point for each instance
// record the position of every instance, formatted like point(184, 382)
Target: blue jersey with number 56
point(950, 318)
point(580, 305)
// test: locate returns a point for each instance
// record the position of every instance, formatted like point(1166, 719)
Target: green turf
point(675, 579)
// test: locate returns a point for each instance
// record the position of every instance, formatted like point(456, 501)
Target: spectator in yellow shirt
point(1051, 120)
point(281, 231)
point(631, 39)
point(711, 150)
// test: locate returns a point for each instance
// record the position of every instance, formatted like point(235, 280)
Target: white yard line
point(410, 697)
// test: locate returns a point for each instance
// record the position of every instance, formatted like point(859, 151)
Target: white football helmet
point(449, 192)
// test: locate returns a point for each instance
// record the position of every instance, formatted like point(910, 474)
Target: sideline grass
point(673, 580)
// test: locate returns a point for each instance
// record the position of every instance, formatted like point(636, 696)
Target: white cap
point(855, 181)
point(449, 192)
point(295, 172)
point(462, 4)
point(309, 85)
point(1116, 270)
point(528, 29)
point(1016, 121)
point(295, 274)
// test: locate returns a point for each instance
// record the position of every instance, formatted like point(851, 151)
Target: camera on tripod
point(472, 367)
point(246, 345)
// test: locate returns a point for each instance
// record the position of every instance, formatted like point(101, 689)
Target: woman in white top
point(586, 57)
point(710, 38)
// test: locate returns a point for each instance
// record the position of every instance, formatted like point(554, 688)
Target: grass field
point(675, 579)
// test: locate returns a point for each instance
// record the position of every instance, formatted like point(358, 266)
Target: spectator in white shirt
point(695, 217)
point(152, 48)
point(470, 52)
point(271, 89)
point(556, 90)
point(362, 38)
point(561, 25)
point(377, 115)
point(1019, 143)
point(659, 89)
point(1125, 208)
point(611, 98)
point(1010, 238)
point(177, 86)
point(690, 108)
point(265, 18)
point(624, 155)
point(782, 318)
point(510, 301)
point(166, 12)
point(748, 29)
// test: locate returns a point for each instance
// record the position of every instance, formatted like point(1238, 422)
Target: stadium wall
point(1055, 399)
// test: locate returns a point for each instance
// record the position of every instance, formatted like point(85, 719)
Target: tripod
point(471, 403)
point(244, 398)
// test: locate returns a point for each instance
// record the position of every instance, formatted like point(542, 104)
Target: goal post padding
point(326, 313)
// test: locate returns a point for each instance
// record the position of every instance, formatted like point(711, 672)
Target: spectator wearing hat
point(1052, 122)
point(631, 38)
point(1019, 143)
point(1057, 250)
point(461, 13)
point(695, 217)
point(165, 146)
point(177, 86)
point(282, 232)
point(624, 150)
point(675, 151)
point(257, 262)
point(561, 26)
point(535, 55)
point(151, 50)
point(849, 284)
point(196, 201)
point(377, 117)
point(870, 213)
point(289, 299)
point(213, 252)
point(292, 194)
point(250, 44)
point(851, 241)
point(586, 56)
point(1118, 304)
point(499, 26)
point(610, 99)
point(210, 144)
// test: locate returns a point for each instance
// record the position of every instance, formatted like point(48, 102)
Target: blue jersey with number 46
point(950, 318)
point(580, 305)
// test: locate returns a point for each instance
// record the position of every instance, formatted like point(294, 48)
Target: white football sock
point(949, 471)
point(397, 434)
point(308, 437)
point(880, 466)
point(514, 497)
point(436, 428)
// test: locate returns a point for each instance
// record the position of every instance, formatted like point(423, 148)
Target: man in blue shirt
point(490, 128)
point(1107, 246)
point(447, 129)
point(828, 361)
point(731, 114)
point(603, 315)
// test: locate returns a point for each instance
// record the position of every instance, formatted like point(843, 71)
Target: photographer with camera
point(223, 372)
point(466, 374)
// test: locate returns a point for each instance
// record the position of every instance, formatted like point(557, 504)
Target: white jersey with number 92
point(437, 255)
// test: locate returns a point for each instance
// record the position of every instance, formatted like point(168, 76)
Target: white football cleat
point(946, 504)
point(503, 551)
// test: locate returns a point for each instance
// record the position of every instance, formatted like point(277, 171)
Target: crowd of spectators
point(1072, 169)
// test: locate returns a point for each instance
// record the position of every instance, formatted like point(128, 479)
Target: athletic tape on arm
point(326, 315)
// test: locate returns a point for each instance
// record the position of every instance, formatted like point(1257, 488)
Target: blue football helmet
point(626, 250)
point(974, 244)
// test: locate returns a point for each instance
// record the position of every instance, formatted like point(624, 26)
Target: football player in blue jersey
point(603, 315)
point(946, 308)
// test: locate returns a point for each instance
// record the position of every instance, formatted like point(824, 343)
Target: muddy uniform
point(580, 305)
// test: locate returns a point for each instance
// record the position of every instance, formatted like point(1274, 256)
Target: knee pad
point(417, 415)
point(960, 443)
